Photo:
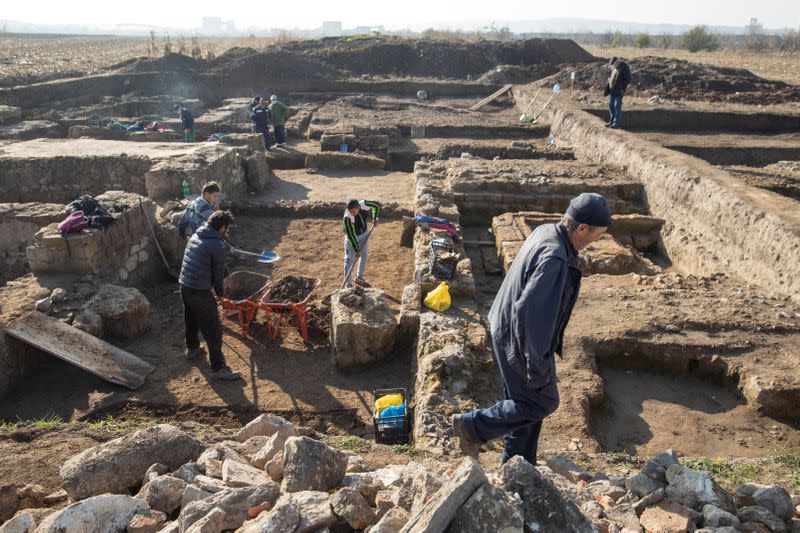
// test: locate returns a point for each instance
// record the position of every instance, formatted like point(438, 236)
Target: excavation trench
point(656, 396)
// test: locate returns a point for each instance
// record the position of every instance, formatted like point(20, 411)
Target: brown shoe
point(468, 446)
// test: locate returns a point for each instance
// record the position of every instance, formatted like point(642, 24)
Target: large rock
point(489, 510)
point(235, 503)
point(118, 465)
point(362, 326)
point(271, 448)
point(439, 511)
point(212, 522)
point(762, 516)
point(391, 522)
point(543, 503)
point(124, 311)
point(564, 466)
point(148, 521)
point(284, 517)
point(715, 517)
point(771, 497)
point(20, 523)
point(349, 504)
point(108, 513)
point(311, 465)
point(696, 489)
point(163, 493)
point(241, 475)
point(314, 508)
point(266, 426)
point(667, 517)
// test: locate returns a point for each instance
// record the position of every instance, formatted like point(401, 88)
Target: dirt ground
point(283, 376)
point(339, 186)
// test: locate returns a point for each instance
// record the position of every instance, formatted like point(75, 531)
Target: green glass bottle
point(185, 186)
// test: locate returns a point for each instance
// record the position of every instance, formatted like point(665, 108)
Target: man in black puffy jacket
point(615, 89)
point(203, 269)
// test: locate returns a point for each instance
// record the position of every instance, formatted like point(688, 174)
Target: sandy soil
point(46, 148)
point(340, 186)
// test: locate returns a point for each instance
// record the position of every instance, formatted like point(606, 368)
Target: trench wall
point(714, 221)
point(18, 225)
point(693, 120)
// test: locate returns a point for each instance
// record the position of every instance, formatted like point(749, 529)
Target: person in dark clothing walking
point(527, 319)
point(260, 117)
point(251, 107)
point(354, 225)
point(202, 271)
point(187, 121)
point(615, 89)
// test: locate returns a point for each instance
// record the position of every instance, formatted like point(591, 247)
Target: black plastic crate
point(391, 429)
point(441, 267)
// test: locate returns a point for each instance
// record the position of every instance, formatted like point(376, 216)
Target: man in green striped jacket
point(354, 224)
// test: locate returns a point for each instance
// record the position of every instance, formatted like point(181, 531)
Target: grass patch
point(350, 443)
point(48, 420)
point(118, 425)
point(720, 469)
point(789, 458)
point(622, 459)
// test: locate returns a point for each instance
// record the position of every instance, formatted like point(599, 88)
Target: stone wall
point(714, 221)
point(62, 178)
point(18, 225)
point(124, 253)
point(454, 360)
point(217, 163)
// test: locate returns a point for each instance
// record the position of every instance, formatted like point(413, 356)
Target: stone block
point(489, 510)
point(124, 311)
point(311, 465)
point(342, 161)
point(667, 517)
point(362, 327)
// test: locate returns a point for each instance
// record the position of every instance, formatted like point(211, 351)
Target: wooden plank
point(497, 94)
point(81, 349)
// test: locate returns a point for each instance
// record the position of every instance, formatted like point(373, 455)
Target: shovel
point(263, 257)
point(524, 116)
point(556, 92)
point(170, 269)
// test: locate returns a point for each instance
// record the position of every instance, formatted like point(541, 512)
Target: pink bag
point(74, 223)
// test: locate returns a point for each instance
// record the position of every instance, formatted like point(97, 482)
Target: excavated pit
point(660, 332)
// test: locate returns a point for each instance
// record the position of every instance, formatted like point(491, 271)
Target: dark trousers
point(200, 314)
point(280, 133)
point(264, 130)
point(615, 108)
point(519, 417)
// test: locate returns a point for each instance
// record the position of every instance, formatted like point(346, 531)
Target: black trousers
point(200, 314)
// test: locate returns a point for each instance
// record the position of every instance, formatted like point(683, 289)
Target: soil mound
point(681, 79)
point(436, 58)
point(167, 63)
point(516, 74)
point(290, 289)
point(270, 64)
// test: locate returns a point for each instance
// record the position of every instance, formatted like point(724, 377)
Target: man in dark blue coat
point(261, 117)
point(203, 269)
point(187, 121)
point(527, 319)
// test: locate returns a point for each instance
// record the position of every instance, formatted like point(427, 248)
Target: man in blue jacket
point(199, 210)
point(260, 117)
point(187, 121)
point(527, 319)
point(203, 269)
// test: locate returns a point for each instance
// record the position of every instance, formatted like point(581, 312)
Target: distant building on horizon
point(331, 28)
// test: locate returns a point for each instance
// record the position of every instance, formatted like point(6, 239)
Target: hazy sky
point(398, 14)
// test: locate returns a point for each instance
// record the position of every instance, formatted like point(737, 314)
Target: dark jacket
point(195, 216)
point(534, 303)
point(204, 261)
point(187, 118)
point(618, 84)
point(353, 226)
point(260, 117)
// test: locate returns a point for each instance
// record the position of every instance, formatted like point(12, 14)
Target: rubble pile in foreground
point(277, 477)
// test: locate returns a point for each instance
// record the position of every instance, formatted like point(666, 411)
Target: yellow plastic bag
point(439, 298)
point(388, 400)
